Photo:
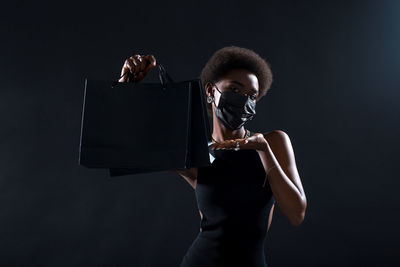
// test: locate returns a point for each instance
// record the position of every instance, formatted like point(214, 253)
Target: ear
point(209, 89)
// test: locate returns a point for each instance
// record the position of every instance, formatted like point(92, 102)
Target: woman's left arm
point(284, 179)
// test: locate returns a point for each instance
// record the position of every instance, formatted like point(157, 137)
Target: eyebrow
point(239, 83)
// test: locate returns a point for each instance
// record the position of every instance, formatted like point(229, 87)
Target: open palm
point(256, 142)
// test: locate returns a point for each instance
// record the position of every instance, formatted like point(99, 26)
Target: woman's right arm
point(190, 175)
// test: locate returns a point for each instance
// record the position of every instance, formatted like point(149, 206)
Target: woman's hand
point(136, 67)
point(256, 142)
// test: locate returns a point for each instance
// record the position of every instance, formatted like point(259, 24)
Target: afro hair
point(233, 57)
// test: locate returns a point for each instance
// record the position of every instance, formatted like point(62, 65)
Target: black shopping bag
point(144, 127)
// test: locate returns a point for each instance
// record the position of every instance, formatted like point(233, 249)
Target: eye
point(253, 97)
point(234, 89)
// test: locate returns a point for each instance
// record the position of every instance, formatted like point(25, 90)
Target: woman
point(250, 172)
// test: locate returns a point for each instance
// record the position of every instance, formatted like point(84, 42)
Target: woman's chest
point(233, 183)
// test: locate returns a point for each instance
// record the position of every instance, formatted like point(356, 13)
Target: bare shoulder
point(281, 146)
point(276, 137)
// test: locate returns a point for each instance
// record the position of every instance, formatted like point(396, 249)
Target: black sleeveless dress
point(235, 207)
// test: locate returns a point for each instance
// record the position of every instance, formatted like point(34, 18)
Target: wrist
point(263, 147)
point(268, 171)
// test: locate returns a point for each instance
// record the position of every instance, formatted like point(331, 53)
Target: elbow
point(298, 217)
point(297, 220)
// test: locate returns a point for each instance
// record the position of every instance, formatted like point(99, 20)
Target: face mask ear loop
point(217, 88)
point(214, 96)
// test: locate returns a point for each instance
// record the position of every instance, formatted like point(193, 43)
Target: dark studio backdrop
point(335, 93)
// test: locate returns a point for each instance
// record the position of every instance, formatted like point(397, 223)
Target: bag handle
point(162, 74)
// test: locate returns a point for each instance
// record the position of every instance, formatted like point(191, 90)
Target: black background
point(335, 93)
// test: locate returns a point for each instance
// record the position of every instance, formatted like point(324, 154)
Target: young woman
point(250, 172)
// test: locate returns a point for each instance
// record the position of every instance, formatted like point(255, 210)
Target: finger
point(243, 142)
point(151, 62)
point(218, 146)
point(136, 77)
point(225, 146)
point(132, 64)
point(125, 67)
point(126, 71)
point(141, 63)
point(233, 143)
point(124, 75)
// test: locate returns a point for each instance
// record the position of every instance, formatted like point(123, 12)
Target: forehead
point(242, 76)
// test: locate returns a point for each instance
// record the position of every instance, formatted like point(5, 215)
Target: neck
point(221, 133)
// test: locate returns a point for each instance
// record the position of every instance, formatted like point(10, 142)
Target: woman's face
point(236, 80)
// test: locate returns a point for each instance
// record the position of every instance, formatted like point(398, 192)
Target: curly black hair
point(232, 57)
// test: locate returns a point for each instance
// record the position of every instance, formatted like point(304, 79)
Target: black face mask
point(234, 109)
